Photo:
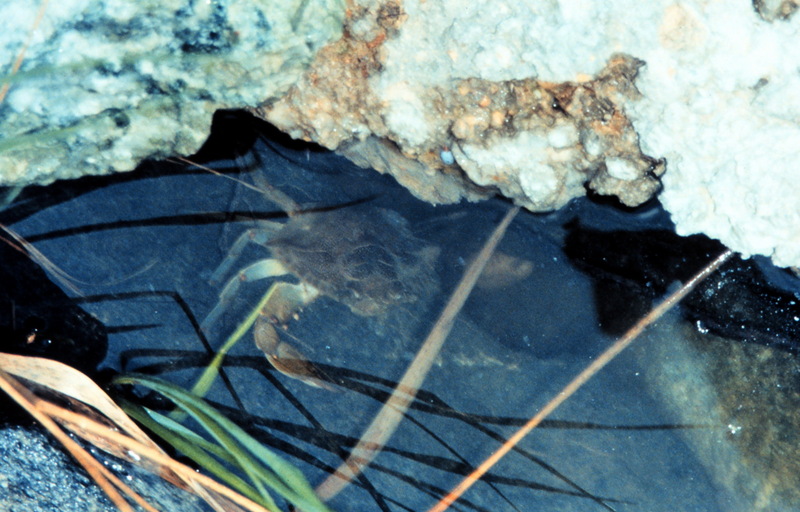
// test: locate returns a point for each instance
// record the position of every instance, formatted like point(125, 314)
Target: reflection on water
point(624, 442)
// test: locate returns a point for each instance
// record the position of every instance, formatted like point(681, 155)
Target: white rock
point(526, 166)
point(721, 94)
point(621, 169)
point(721, 103)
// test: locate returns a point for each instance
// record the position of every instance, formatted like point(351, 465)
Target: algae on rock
point(105, 85)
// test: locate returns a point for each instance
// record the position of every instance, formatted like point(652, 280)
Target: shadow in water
point(144, 252)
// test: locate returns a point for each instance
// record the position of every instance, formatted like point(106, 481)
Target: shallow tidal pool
point(655, 430)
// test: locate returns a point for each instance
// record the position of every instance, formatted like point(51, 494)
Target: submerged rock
point(725, 362)
point(746, 398)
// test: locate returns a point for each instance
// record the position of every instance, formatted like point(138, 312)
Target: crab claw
point(287, 359)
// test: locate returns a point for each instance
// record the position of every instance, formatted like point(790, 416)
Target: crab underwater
point(620, 443)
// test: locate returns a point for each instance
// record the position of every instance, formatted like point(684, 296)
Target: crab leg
point(287, 359)
point(284, 299)
point(261, 269)
point(259, 235)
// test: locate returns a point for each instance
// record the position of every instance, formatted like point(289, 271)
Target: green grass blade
point(208, 418)
point(152, 419)
point(260, 464)
point(198, 449)
point(205, 381)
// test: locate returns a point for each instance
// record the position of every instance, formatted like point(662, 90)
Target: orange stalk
point(610, 353)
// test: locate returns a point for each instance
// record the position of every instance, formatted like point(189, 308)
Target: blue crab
point(362, 256)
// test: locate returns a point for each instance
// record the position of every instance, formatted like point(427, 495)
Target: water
point(141, 246)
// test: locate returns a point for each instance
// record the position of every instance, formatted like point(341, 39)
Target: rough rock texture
point(535, 100)
point(448, 137)
point(539, 143)
point(106, 84)
point(722, 104)
point(431, 88)
point(37, 475)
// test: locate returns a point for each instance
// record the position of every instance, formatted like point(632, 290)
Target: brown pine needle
point(30, 402)
point(124, 439)
point(190, 478)
point(385, 423)
point(68, 381)
point(579, 381)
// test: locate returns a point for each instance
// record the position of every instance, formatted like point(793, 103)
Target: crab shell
point(364, 257)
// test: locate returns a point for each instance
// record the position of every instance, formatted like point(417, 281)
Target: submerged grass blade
point(193, 446)
point(262, 466)
point(183, 476)
point(206, 379)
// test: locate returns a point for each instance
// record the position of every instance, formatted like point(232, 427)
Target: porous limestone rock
point(106, 84)
point(446, 137)
point(719, 103)
point(535, 100)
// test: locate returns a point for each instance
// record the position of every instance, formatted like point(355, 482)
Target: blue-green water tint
point(512, 349)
